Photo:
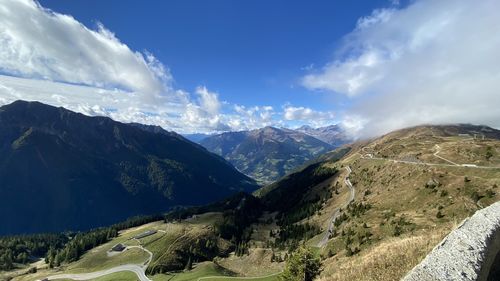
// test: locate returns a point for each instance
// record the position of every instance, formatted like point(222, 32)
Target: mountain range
point(197, 137)
point(266, 154)
point(334, 135)
point(61, 170)
point(371, 209)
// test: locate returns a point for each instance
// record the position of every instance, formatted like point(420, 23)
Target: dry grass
point(389, 260)
point(257, 263)
point(397, 190)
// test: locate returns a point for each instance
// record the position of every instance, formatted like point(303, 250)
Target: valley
point(393, 197)
point(141, 253)
point(269, 153)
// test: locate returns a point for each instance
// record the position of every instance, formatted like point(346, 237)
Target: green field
point(267, 278)
point(208, 271)
point(100, 260)
point(201, 270)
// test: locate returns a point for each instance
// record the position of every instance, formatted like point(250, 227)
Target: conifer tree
point(302, 265)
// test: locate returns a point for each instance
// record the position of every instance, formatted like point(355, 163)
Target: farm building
point(118, 248)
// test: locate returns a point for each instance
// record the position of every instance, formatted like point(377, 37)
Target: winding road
point(139, 270)
point(336, 213)
point(370, 156)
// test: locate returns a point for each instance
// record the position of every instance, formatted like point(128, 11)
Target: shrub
point(439, 214)
point(475, 196)
point(490, 193)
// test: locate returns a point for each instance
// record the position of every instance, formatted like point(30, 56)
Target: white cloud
point(209, 101)
point(204, 112)
point(430, 62)
point(117, 104)
point(90, 71)
point(36, 42)
point(248, 118)
point(308, 115)
point(53, 58)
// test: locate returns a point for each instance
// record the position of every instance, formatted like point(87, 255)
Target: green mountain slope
point(62, 170)
point(266, 154)
point(371, 211)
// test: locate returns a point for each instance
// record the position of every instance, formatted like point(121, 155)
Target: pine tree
point(71, 254)
point(58, 259)
point(301, 266)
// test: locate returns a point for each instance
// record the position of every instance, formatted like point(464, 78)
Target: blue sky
point(213, 66)
point(250, 52)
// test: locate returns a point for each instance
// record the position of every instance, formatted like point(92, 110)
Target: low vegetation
point(399, 213)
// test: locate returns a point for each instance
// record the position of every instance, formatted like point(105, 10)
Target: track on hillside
point(336, 213)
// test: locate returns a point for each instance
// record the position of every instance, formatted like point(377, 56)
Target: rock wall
point(470, 252)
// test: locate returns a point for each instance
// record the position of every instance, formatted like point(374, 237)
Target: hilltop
point(61, 170)
point(412, 187)
point(266, 154)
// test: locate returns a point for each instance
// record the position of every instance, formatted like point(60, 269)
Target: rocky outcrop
point(470, 252)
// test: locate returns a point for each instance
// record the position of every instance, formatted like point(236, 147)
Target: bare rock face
point(467, 253)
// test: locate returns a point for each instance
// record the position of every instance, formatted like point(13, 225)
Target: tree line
point(58, 248)
point(24, 248)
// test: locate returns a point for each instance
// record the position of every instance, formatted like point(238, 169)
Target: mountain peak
point(304, 127)
point(332, 134)
point(267, 153)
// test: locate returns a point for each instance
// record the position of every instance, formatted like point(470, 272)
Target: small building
point(118, 248)
point(145, 234)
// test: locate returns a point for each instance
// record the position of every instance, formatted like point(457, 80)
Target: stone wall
point(470, 252)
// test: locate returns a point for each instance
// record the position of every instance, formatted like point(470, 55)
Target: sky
point(212, 66)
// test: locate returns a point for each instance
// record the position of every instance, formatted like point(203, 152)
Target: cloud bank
point(53, 58)
point(315, 118)
point(37, 42)
point(430, 62)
